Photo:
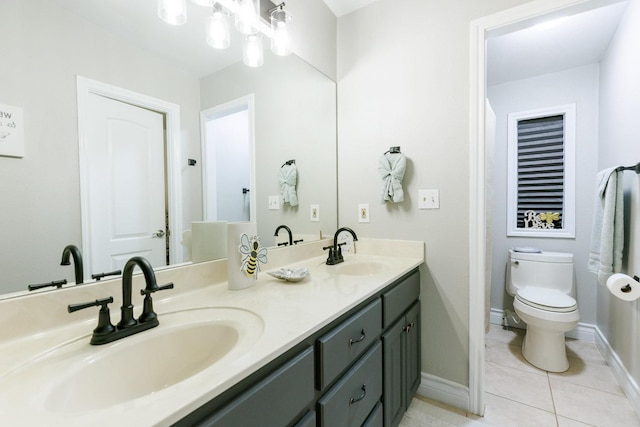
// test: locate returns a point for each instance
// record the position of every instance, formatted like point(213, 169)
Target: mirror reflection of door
point(227, 151)
point(127, 205)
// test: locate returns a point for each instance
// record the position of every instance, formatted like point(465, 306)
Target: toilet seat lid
point(546, 299)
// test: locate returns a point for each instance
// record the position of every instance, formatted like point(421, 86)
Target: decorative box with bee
point(245, 255)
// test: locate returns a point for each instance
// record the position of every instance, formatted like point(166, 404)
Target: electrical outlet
point(315, 213)
point(363, 212)
point(274, 202)
point(428, 199)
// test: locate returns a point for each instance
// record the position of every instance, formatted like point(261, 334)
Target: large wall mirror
point(54, 42)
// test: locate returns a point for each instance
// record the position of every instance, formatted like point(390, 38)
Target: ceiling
point(579, 40)
point(343, 7)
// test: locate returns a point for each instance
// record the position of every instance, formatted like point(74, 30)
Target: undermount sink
point(81, 377)
point(361, 268)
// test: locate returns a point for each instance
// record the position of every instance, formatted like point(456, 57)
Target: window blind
point(541, 167)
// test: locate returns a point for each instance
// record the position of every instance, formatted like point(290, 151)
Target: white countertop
point(286, 312)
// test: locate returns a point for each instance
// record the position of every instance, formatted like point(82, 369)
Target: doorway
point(228, 165)
point(480, 211)
point(130, 188)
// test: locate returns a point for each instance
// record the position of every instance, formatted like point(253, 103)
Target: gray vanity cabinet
point(401, 348)
point(274, 401)
point(352, 399)
point(345, 343)
point(376, 418)
point(360, 370)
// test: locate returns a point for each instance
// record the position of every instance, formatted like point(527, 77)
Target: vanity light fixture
point(247, 16)
point(219, 28)
point(252, 51)
point(173, 12)
point(280, 37)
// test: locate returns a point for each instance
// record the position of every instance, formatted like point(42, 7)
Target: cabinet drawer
point(274, 401)
point(375, 418)
point(344, 344)
point(396, 301)
point(351, 400)
point(309, 420)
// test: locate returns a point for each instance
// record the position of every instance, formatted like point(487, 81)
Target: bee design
point(254, 255)
point(550, 216)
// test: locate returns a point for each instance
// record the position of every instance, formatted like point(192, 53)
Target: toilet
point(543, 287)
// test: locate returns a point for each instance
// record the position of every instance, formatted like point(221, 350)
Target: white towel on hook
point(288, 176)
point(391, 167)
point(607, 236)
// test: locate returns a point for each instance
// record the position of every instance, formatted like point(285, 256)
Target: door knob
point(158, 234)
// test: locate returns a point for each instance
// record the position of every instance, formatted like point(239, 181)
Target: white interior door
point(127, 207)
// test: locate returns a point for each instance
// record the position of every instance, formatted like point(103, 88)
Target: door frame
point(173, 184)
point(221, 110)
point(480, 29)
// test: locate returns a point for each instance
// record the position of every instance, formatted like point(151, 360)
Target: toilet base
point(545, 349)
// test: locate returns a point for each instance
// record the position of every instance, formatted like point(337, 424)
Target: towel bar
point(635, 168)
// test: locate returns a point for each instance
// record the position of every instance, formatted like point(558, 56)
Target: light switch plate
point(429, 199)
point(363, 212)
point(274, 202)
point(315, 213)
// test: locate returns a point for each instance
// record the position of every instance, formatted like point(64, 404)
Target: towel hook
point(394, 150)
point(288, 162)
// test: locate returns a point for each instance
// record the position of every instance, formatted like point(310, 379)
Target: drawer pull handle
point(352, 341)
point(408, 327)
point(359, 398)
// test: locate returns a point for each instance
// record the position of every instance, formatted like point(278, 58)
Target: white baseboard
point(622, 375)
point(444, 391)
point(583, 332)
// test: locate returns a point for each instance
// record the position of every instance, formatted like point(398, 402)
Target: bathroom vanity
point(341, 347)
point(336, 376)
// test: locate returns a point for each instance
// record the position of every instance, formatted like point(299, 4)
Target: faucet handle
point(101, 275)
point(57, 283)
point(148, 292)
point(102, 302)
point(105, 327)
point(148, 315)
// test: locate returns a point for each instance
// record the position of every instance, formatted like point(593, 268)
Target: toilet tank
point(553, 270)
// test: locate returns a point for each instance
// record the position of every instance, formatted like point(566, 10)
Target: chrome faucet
point(71, 250)
point(105, 332)
point(335, 251)
point(280, 227)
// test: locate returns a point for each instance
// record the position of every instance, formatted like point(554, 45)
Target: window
point(541, 150)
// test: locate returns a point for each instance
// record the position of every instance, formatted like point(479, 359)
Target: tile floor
point(518, 394)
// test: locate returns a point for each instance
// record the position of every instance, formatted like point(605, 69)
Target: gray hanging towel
point(391, 167)
point(288, 176)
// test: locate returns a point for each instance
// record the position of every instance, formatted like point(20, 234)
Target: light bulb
point(252, 51)
point(248, 16)
point(218, 29)
point(280, 36)
point(172, 12)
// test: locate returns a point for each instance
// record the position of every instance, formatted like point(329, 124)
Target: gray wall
point(617, 320)
point(579, 86)
point(403, 79)
point(295, 118)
